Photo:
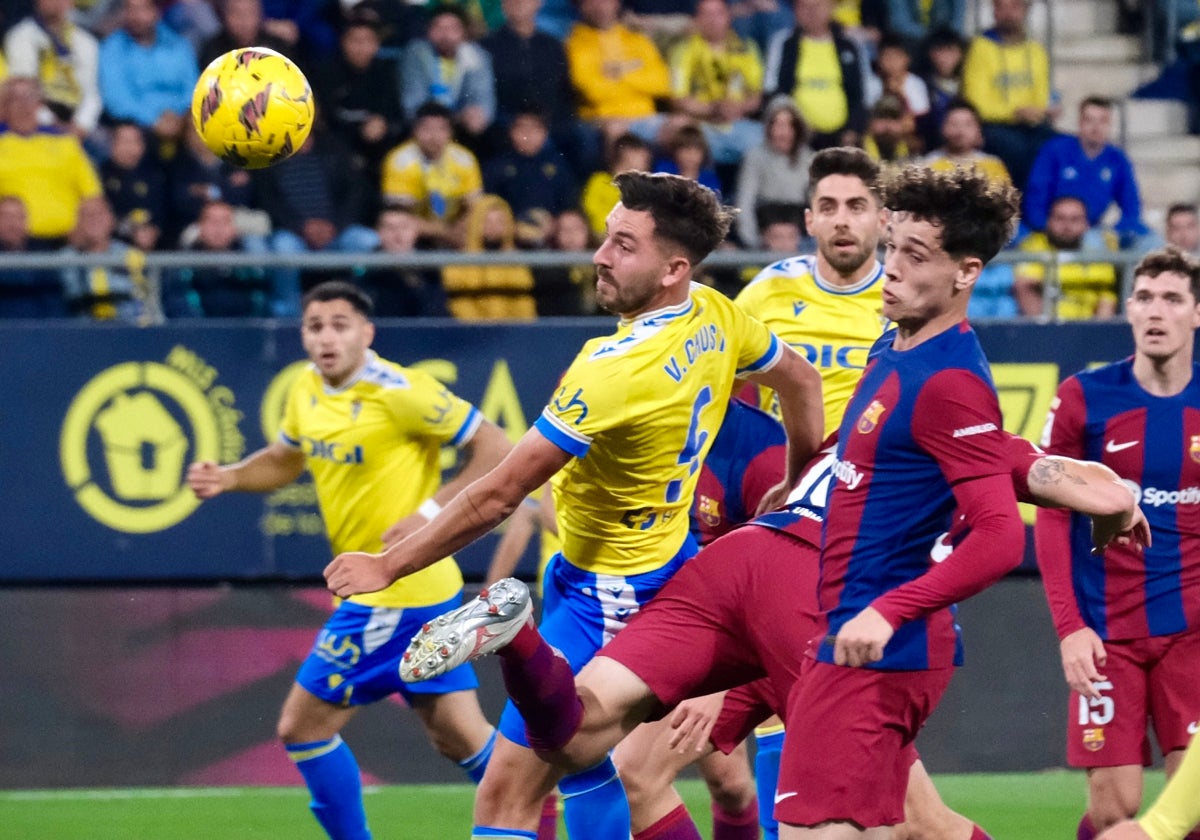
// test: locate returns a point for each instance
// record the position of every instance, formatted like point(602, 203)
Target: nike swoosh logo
point(1113, 446)
point(779, 797)
point(941, 549)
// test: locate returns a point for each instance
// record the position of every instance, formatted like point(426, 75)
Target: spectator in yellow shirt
point(1086, 289)
point(618, 74)
point(717, 80)
point(44, 167)
point(433, 176)
point(600, 194)
point(489, 292)
point(962, 144)
point(821, 68)
point(1006, 76)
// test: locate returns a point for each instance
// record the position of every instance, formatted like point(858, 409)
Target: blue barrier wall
point(102, 422)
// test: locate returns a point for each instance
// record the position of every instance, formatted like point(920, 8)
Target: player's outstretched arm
point(484, 451)
point(1092, 489)
point(267, 469)
point(479, 508)
point(798, 386)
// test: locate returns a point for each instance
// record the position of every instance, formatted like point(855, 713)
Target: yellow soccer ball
point(252, 107)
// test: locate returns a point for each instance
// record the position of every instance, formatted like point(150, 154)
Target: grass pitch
point(1011, 806)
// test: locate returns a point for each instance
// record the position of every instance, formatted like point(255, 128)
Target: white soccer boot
point(477, 628)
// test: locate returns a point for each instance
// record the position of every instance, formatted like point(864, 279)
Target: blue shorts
point(356, 658)
point(582, 611)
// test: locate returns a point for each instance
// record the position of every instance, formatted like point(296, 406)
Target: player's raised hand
point(692, 722)
point(356, 572)
point(207, 479)
point(862, 639)
point(1124, 830)
point(1083, 656)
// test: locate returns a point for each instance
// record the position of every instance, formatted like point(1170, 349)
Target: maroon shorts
point(746, 707)
point(1156, 680)
point(849, 743)
point(740, 610)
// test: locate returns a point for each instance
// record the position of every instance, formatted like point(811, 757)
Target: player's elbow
point(1006, 533)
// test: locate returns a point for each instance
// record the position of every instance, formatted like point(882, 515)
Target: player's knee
point(507, 799)
point(451, 743)
point(731, 791)
point(643, 781)
point(289, 729)
point(1112, 799)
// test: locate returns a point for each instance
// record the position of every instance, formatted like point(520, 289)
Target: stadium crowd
point(488, 125)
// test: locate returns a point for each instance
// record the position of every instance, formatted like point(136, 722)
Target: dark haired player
point(1129, 621)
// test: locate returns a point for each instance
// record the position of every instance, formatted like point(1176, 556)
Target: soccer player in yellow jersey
point(370, 432)
point(828, 306)
point(623, 439)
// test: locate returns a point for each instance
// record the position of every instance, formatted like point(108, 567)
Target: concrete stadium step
point(1164, 184)
point(1083, 17)
point(1115, 79)
point(1097, 47)
point(1145, 118)
point(1145, 151)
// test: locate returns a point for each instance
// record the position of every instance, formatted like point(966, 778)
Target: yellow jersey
point(49, 171)
point(991, 166)
point(433, 189)
point(1084, 285)
point(819, 93)
point(733, 70)
point(639, 411)
point(999, 78)
point(373, 447)
point(831, 326)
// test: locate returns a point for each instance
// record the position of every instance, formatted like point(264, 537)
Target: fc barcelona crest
point(870, 418)
point(1093, 739)
point(709, 510)
point(1194, 448)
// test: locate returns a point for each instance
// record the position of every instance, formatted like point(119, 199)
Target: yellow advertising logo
point(1026, 391)
point(130, 431)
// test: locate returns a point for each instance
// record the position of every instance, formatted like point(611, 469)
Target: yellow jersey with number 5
point(639, 410)
point(831, 326)
point(373, 448)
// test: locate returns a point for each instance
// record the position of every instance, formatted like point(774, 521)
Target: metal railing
point(151, 265)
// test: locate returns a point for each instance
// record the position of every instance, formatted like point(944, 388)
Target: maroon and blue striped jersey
point(923, 424)
point(748, 458)
point(1153, 443)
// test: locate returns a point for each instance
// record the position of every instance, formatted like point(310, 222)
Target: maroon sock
point(1194, 835)
point(1086, 830)
point(978, 833)
point(739, 825)
point(676, 825)
point(542, 687)
point(548, 827)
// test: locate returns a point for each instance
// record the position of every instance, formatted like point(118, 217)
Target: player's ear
point(679, 269)
point(969, 269)
point(369, 332)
